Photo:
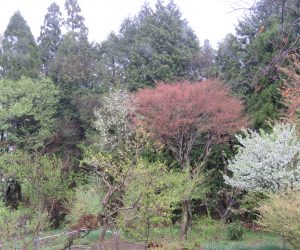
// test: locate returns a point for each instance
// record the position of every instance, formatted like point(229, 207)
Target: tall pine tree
point(50, 36)
point(75, 21)
point(20, 54)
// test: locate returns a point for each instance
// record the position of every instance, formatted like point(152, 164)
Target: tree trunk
point(102, 233)
point(185, 219)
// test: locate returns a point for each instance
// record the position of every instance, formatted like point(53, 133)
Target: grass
point(212, 236)
point(59, 240)
point(209, 236)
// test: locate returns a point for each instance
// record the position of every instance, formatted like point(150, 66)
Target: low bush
point(19, 228)
point(281, 215)
point(85, 208)
point(207, 229)
point(234, 231)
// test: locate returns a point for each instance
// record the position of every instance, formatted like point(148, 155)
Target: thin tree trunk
point(102, 233)
point(186, 217)
point(185, 220)
point(116, 239)
point(147, 234)
point(2, 135)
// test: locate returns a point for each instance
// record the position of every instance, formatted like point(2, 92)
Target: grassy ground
point(211, 238)
point(216, 240)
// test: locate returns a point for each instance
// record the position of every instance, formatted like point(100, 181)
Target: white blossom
point(266, 161)
point(113, 121)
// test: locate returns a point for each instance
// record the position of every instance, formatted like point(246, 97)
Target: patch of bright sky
point(210, 19)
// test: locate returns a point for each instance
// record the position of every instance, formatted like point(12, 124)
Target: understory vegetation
point(151, 138)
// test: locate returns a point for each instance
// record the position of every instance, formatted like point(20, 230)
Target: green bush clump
point(207, 228)
point(234, 231)
point(281, 215)
point(16, 225)
point(86, 206)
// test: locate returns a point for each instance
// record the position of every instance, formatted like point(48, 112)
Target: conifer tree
point(75, 21)
point(50, 36)
point(159, 46)
point(20, 55)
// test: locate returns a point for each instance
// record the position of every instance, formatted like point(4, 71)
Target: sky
point(210, 19)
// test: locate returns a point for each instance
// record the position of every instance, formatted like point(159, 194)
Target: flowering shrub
point(266, 161)
point(113, 122)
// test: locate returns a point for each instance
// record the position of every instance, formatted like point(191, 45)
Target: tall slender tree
point(75, 21)
point(50, 36)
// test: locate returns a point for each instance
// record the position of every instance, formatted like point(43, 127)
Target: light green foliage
point(143, 193)
point(27, 110)
point(86, 202)
point(266, 161)
point(20, 54)
point(40, 177)
point(248, 205)
point(18, 228)
point(234, 231)
point(207, 229)
point(281, 215)
point(155, 191)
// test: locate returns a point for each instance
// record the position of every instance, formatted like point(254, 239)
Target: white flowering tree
point(266, 161)
point(113, 120)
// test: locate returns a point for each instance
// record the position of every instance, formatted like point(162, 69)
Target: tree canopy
point(20, 54)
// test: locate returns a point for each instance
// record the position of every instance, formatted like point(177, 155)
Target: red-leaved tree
point(180, 114)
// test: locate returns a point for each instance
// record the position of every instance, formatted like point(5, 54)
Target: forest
point(151, 138)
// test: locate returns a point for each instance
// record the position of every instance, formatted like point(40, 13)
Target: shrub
point(207, 228)
point(16, 225)
point(281, 215)
point(234, 231)
point(85, 208)
point(266, 161)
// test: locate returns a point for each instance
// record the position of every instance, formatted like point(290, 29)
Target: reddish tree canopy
point(176, 114)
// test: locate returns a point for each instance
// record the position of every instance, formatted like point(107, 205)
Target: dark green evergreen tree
point(110, 59)
point(74, 64)
point(75, 21)
point(50, 36)
point(161, 46)
point(20, 54)
point(229, 60)
point(203, 63)
point(250, 60)
point(73, 69)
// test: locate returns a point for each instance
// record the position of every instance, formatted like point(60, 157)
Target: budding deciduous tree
point(180, 114)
